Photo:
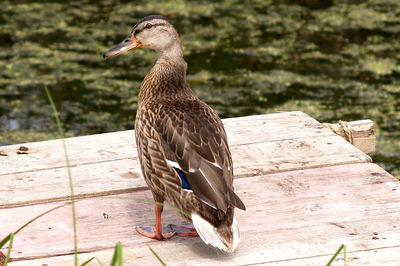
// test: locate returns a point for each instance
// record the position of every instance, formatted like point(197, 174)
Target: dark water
point(334, 60)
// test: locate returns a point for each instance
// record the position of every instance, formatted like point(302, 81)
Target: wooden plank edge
point(358, 257)
point(271, 116)
point(258, 172)
point(135, 156)
point(77, 196)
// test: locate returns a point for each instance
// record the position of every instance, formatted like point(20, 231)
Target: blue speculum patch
point(185, 183)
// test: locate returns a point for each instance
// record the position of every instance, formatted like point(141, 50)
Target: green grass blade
point(158, 257)
point(89, 260)
point(10, 237)
point(99, 261)
point(40, 215)
point(337, 253)
point(5, 240)
point(117, 258)
point(9, 249)
point(69, 173)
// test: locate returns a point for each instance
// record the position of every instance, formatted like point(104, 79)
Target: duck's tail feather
point(235, 200)
point(225, 238)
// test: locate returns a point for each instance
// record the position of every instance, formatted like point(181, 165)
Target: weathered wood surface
point(307, 191)
point(363, 134)
point(107, 164)
point(293, 218)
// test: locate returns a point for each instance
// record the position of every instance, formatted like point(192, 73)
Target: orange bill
point(129, 43)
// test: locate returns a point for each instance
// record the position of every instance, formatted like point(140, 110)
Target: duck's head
point(155, 32)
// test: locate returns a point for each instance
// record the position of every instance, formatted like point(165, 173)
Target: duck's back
point(174, 127)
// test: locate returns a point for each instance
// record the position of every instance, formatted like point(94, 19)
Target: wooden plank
point(143, 256)
point(362, 133)
point(52, 185)
point(290, 216)
point(125, 175)
point(121, 145)
point(273, 143)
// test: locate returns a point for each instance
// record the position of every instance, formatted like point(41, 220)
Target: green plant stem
point(337, 253)
point(10, 237)
point(60, 131)
point(9, 249)
point(88, 261)
point(40, 215)
point(158, 257)
point(117, 258)
point(5, 240)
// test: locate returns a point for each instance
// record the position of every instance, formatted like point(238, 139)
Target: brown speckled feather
point(181, 128)
point(193, 136)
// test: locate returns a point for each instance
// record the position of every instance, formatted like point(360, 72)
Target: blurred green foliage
point(333, 59)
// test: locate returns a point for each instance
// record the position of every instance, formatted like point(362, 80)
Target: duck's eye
point(148, 26)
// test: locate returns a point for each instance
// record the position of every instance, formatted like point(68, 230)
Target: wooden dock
point(307, 192)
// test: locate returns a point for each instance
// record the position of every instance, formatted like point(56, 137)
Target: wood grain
point(300, 216)
point(107, 164)
point(121, 145)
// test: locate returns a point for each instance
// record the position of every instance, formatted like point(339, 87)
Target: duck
point(182, 144)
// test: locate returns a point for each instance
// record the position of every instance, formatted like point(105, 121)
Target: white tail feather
point(209, 234)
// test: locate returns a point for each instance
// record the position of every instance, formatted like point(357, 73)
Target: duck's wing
point(193, 136)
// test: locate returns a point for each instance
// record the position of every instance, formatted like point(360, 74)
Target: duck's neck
point(166, 80)
point(173, 53)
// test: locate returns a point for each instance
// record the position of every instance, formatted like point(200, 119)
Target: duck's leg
point(155, 232)
point(184, 229)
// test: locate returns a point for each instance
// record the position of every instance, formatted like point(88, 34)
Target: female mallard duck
point(181, 141)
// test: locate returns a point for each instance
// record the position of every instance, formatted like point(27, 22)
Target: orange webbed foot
point(184, 229)
point(151, 232)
